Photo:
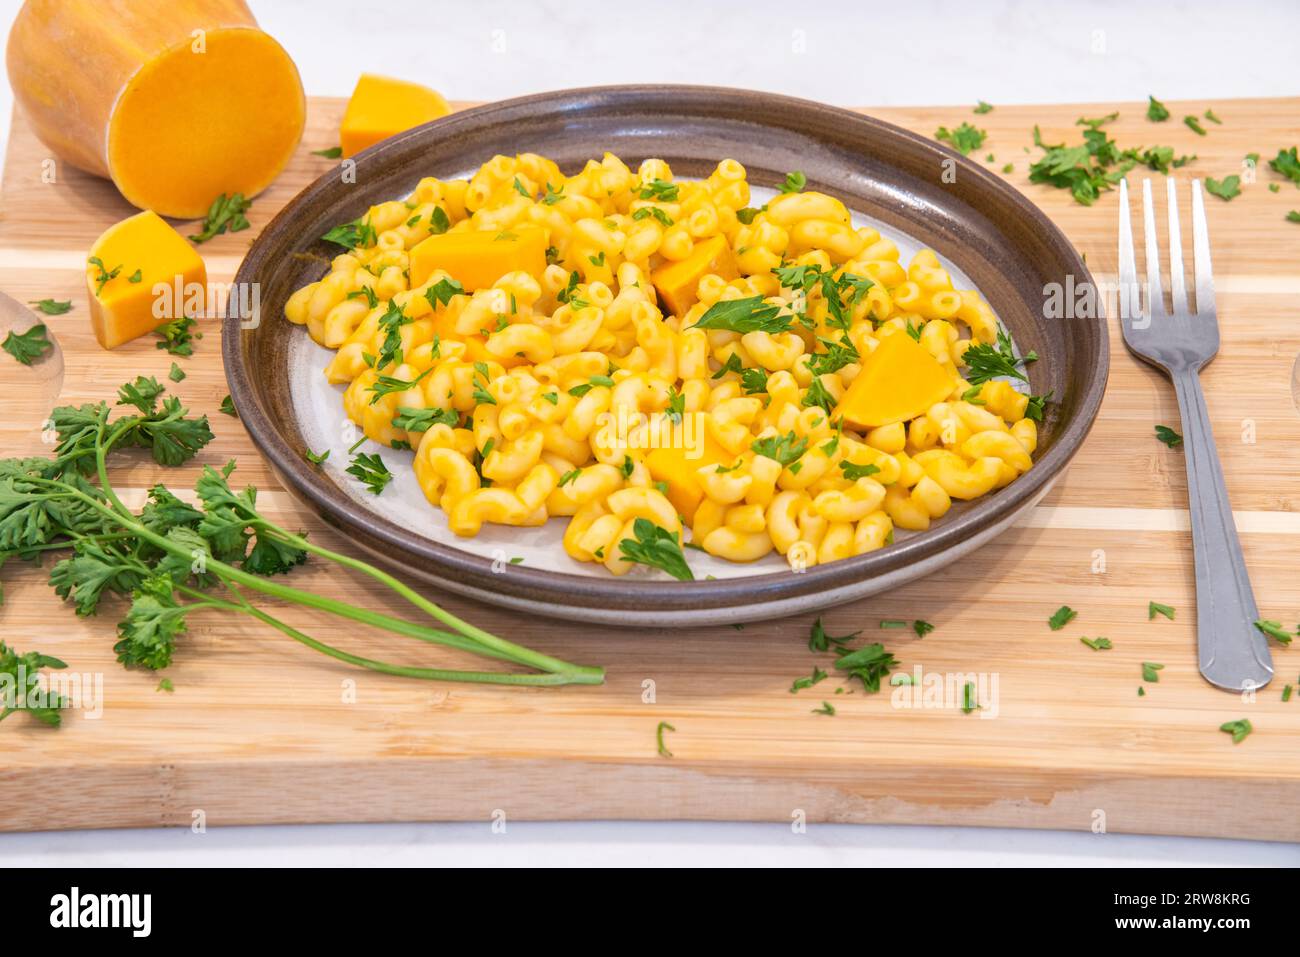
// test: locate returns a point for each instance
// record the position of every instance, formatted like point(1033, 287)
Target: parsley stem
point(474, 639)
point(508, 650)
point(403, 671)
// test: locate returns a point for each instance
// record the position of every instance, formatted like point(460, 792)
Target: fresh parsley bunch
point(172, 559)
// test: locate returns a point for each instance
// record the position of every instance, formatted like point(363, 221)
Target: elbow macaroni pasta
point(525, 376)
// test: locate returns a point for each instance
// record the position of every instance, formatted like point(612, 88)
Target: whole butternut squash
point(175, 102)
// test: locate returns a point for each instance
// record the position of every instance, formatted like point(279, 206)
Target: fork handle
point(1233, 653)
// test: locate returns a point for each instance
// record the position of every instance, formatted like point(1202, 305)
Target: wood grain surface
point(260, 730)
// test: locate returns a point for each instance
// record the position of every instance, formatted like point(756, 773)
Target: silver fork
point(1233, 653)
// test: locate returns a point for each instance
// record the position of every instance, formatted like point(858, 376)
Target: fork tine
point(1129, 305)
point(1155, 291)
point(1177, 282)
point(1201, 253)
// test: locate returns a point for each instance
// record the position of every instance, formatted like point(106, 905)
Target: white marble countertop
point(849, 53)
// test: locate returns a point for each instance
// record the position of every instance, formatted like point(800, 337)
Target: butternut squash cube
point(478, 258)
point(898, 381)
point(676, 469)
point(677, 282)
point(140, 252)
point(381, 107)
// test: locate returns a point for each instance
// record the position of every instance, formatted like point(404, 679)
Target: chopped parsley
point(750, 314)
point(981, 108)
point(794, 182)
point(1061, 617)
point(1275, 631)
point(1194, 125)
point(421, 420)
point(1156, 111)
point(660, 190)
point(1097, 644)
point(786, 449)
point(330, 153)
point(52, 307)
point(1287, 164)
point(225, 213)
point(985, 361)
point(965, 139)
point(1226, 189)
point(807, 681)
point(827, 708)
point(1239, 729)
point(818, 640)
point(371, 470)
point(1151, 671)
point(1168, 436)
point(656, 547)
point(659, 737)
point(1155, 608)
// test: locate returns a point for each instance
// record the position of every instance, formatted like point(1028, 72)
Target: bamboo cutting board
point(260, 730)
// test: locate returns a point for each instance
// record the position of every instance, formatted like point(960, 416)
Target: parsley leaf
point(1274, 630)
point(1225, 189)
point(1168, 436)
point(371, 470)
point(23, 692)
point(354, 234)
point(965, 139)
point(421, 420)
point(1156, 111)
point(794, 182)
point(656, 547)
point(751, 314)
point(52, 307)
point(1061, 617)
point(1287, 164)
point(177, 336)
point(1155, 608)
point(1194, 125)
point(869, 664)
point(27, 347)
point(786, 449)
point(1239, 729)
point(332, 152)
point(985, 361)
point(981, 107)
point(818, 640)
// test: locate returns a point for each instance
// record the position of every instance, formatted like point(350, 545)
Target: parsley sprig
point(656, 547)
point(171, 559)
point(29, 346)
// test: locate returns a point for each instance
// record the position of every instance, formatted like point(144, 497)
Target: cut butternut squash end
point(190, 126)
point(142, 246)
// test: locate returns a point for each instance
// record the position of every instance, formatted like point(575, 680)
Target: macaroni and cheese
point(661, 364)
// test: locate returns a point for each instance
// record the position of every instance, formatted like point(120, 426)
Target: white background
point(853, 54)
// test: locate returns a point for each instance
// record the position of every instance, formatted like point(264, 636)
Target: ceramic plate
point(914, 190)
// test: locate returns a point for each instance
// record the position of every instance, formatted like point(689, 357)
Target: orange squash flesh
point(381, 107)
point(478, 258)
point(122, 310)
point(175, 102)
point(677, 282)
point(898, 381)
point(675, 468)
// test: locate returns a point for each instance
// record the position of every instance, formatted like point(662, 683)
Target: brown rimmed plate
point(982, 228)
